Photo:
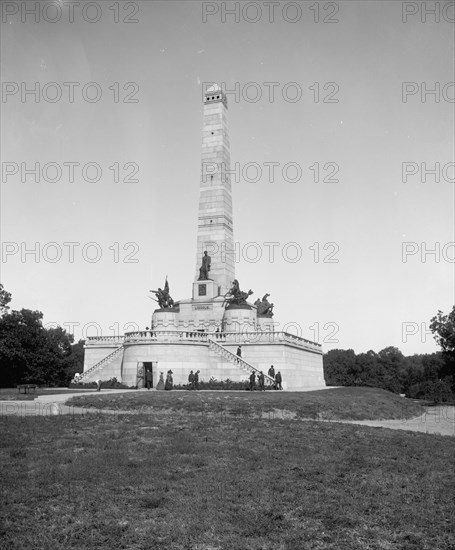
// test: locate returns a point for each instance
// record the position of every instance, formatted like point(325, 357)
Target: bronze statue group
point(163, 297)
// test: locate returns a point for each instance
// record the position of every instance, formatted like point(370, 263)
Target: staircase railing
point(236, 359)
point(105, 361)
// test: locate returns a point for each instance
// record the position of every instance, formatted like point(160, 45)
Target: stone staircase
point(87, 375)
point(236, 360)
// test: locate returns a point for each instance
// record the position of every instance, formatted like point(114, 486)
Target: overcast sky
point(351, 266)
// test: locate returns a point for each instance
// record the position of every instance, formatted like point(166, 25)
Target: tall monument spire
point(215, 225)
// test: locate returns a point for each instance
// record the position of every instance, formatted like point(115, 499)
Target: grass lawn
point(166, 481)
point(333, 404)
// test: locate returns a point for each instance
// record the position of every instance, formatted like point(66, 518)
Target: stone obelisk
point(215, 226)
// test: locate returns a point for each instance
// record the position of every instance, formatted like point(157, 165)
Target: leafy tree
point(437, 391)
point(391, 356)
point(391, 360)
point(411, 373)
point(5, 299)
point(20, 340)
point(29, 353)
point(433, 366)
point(75, 361)
point(338, 365)
point(425, 376)
point(367, 365)
point(443, 328)
point(378, 370)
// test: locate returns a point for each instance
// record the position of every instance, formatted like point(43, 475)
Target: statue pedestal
point(239, 319)
point(165, 319)
point(265, 323)
point(204, 291)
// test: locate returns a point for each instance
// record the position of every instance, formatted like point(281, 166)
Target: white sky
point(364, 299)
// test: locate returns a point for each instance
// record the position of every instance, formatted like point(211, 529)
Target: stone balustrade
point(221, 337)
point(173, 336)
point(262, 337)
point(114, 340)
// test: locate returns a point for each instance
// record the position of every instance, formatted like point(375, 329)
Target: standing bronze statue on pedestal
point(204, 270)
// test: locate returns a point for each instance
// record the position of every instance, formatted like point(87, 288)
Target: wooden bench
point(27, 388)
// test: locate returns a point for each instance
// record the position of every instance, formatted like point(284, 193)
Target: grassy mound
point(331, 404)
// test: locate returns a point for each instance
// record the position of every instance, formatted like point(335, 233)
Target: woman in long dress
point(169, 381)
point(160, 385)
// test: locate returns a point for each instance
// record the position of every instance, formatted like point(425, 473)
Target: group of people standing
point(261, 380)
point(162, 385)
point(277, 377)
point(193, 380)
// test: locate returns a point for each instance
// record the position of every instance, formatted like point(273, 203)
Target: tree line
point(33, 354)
point(427, 376)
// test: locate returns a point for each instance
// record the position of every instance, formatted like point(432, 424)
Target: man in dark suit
point(252, 381)
point(148, 379)
point(278, 381)
point(261, 381)
point(196, 380)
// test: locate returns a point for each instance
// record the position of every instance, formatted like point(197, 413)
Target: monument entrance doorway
point(142, 368)
point(148, 367)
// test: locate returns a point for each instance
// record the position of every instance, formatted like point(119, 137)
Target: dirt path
point(51, 405)
point(436, 420)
